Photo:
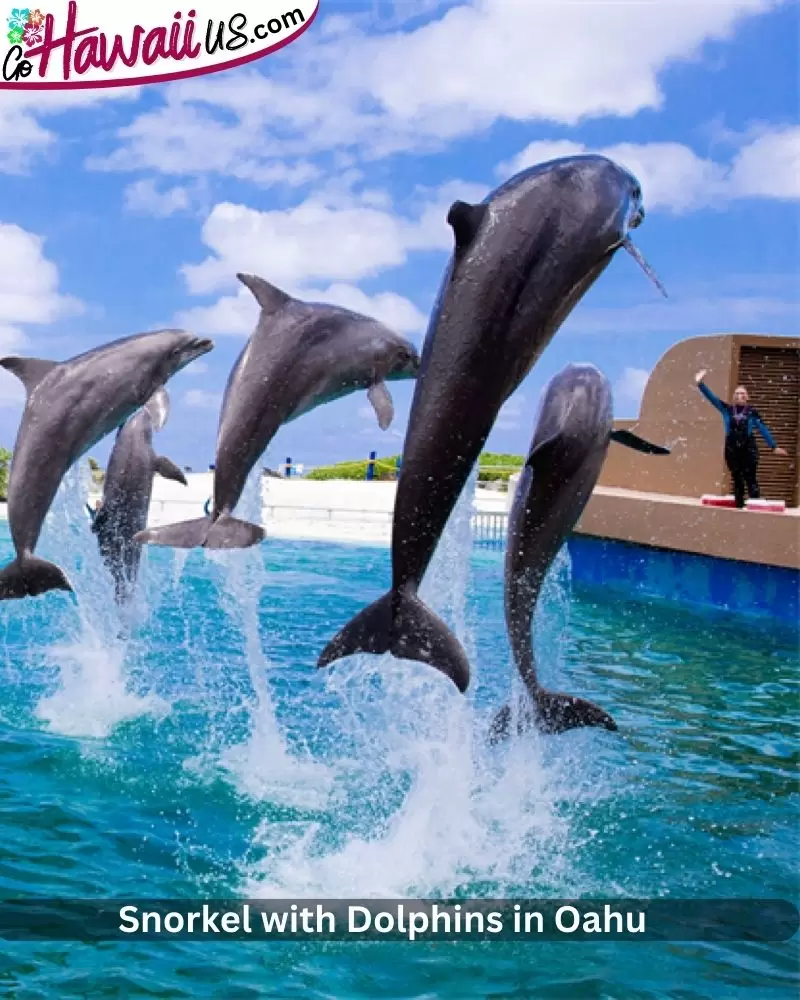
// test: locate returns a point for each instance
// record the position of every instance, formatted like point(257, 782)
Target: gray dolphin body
point(301, 355)
point(70, 406)
point(127, 490)
point(522, 260)
point(566, 456)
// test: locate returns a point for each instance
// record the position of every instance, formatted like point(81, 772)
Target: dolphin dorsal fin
point(30, 371)
point(157, 407)
point(465, 220)
point(270, 298)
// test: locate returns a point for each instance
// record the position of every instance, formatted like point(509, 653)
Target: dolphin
point(522, 260)
point(301, 355)
point(70, 406)
point(569, 446)
point(127, 490)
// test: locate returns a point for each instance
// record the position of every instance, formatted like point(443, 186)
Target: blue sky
point(328, 168)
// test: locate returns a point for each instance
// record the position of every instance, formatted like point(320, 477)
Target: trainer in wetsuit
point(741, 453)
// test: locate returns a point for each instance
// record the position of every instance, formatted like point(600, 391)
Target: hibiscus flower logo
point(19, 18)
point(25, 25)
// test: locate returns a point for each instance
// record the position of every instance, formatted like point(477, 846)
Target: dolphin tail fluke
point(402, 625)
point(368, 632)
point(556, 713)
point(29, 576)
point(550, 713)
point(229, 532)
point(183, 535)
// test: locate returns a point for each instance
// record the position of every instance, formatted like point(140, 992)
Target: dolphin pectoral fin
point(166, 468)
point(631, 440)
point(556, 713)
point(158, 408)
point(230, 533)
point(270, 298)
point(28, 576)
point(30, 371)
point(183, 535)
point(382, 404)
point(403, 626)
point(465, 221)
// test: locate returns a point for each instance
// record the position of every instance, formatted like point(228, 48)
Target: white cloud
point(674, 177)
point(28, 282)
point(769, 166)
point(201, 399)
point(418, 89)
point(510, 415)
point(23, 137)
point(28, 295)
point(334, 237)
point(237, 314)
point(628, 390)
point(143, 198)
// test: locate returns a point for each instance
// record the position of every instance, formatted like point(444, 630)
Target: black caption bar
point(400, 919)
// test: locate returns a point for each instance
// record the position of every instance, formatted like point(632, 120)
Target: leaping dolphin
point(522, 260)
point(301, 355)
point(70, 406)
point(127, 490)
point(567, 452)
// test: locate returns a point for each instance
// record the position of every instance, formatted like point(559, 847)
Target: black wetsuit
point(741, 451)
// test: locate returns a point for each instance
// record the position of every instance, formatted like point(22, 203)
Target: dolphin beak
point(199, 347)
point(637, 218)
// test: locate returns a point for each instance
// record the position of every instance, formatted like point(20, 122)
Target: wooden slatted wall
point(771, 376)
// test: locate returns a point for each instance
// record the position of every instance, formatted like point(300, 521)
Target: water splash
point(420, 806)
point(261, 766)
point(93, 693)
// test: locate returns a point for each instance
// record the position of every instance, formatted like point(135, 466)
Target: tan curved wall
point(674, 413)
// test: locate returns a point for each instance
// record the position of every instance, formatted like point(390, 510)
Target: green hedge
point(5, 464)
point(385, 468)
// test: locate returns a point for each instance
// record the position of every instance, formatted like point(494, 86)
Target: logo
point(99, 44)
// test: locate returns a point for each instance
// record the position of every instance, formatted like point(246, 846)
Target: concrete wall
point(674, 413)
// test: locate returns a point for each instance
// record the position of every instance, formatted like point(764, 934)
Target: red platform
point(768, 506)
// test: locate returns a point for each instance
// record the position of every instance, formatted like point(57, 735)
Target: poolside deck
point(684, 524)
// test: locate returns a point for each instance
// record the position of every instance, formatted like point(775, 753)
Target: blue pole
point(398, 464)
point(288, 466)
point(371, 465)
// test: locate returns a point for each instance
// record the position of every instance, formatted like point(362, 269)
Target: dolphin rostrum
point(522, 260)
point(567, 452)
point(70, 406)
point(127, 490)
point(301, 355)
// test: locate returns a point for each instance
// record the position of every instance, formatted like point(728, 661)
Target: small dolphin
point(127, 490)
point(70, 406)
point(522, 260)
point(301, 355)
point(567, 452)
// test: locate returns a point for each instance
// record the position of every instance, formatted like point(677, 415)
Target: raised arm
point(763, 430)
point(708, 393)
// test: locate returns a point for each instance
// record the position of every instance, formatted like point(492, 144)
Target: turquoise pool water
point(205, 757)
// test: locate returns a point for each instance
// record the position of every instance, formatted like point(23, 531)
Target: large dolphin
point(567, 452)
point(521, 262)
point(70, 406)
point(301, 355)
point(127, 489)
